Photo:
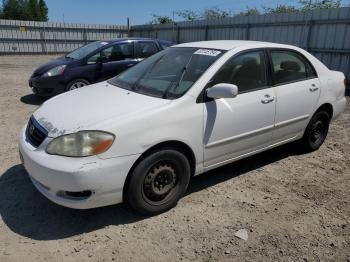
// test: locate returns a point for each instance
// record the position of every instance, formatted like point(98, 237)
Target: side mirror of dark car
point(102, 60)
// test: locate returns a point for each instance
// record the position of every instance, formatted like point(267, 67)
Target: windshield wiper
point(166, 92)
point(183, 71)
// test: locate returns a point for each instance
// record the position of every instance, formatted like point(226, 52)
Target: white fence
point(30, 37)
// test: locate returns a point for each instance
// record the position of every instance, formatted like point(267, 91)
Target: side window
point(116, 52)
point(121, 52)
point(146, 49)
point(247, 71)
point(165, 45)
point(288, 67)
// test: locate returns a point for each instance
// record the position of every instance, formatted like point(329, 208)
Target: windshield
point(168, 74)
point(85, 50)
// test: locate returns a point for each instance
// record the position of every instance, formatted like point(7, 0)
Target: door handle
point(267, 99)
point(313, 89)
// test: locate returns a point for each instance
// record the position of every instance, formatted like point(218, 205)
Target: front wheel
point(316, 131)
point(77, 83)
point(158, 182)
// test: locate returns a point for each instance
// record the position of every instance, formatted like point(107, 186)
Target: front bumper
point(47, 86)
point(52, 175)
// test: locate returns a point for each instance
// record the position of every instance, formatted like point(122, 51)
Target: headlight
point(81, 144)
point(58, 70)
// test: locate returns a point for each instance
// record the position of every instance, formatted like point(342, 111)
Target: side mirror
point(101, 60)
point(222, 90)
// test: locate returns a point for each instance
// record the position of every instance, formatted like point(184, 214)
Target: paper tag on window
point(208, 52)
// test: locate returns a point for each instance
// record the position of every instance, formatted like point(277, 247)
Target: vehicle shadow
point(26, 212)
point(241, 167)
point(32, 99)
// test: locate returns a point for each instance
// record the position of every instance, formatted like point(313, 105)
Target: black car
point(92, 63)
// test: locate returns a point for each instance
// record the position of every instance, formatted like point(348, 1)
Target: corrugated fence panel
point(30, 37)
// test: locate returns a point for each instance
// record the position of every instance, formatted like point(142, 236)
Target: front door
point(119, 58)
point(110, 61)
point(237, 126)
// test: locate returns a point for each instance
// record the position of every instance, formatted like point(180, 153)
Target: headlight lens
point(58, 70)
point(81, 144)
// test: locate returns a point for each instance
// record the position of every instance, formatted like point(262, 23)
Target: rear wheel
point(158, 182)
point(77, 83)
point(316, 131)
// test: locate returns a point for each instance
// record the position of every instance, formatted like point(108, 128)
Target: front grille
point(35, 133)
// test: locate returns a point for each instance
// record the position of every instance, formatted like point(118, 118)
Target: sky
point(140, 12)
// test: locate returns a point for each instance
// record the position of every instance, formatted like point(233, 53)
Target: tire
point(316, 131)
point(76, 83)
point(158, 182)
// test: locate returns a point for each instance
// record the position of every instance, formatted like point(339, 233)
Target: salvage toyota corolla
point(142, 135)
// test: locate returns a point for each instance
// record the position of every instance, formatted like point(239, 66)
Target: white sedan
point(141, 136)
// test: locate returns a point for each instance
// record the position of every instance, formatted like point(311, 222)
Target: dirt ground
point(295, 207)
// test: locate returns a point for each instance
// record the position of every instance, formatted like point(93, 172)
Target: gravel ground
point(294, 207)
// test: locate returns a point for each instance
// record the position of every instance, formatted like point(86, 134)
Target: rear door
point(297, 90)
point(236, 126)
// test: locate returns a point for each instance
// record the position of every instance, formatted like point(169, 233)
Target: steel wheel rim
point(160, 183)
point(317, 132)
point(77, 85)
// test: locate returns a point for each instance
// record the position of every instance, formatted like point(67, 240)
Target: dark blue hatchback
point(92, 63)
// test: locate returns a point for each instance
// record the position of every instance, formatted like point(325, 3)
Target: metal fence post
point(85, 36)
point(43, 40)
point(206, 32)
point(178, 35)
point(309, 32)
point(247, 31)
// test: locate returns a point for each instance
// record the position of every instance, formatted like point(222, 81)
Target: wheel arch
point(171, 144)
point(326, 107)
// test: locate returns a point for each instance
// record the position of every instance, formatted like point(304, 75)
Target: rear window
point(165, 45)
point(146, 49)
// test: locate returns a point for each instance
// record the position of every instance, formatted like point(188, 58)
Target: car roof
point(231, 44)
point(131, 38)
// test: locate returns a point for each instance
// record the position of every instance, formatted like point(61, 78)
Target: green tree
point(319, 4)
point(33, 10)
point(188, 15)
point(158, 19)
point(279, 9)
point(215, 13)
point(43, 11)
point(12, 9)
point(249, 11)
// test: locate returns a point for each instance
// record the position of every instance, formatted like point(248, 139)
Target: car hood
point(82, 108)
point(51, 64)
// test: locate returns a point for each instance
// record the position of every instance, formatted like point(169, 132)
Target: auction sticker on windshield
point(208, 52)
